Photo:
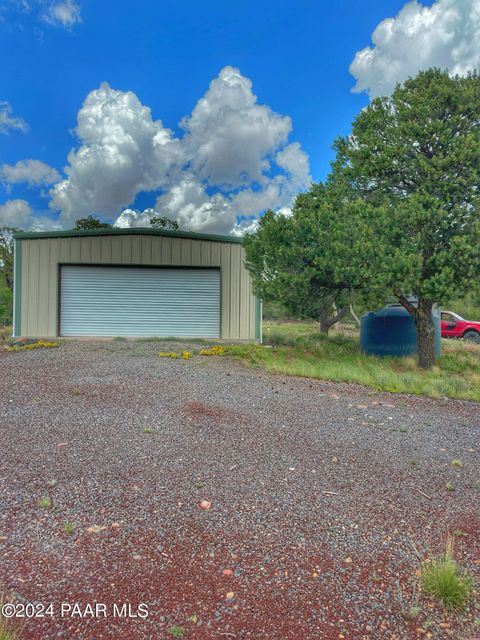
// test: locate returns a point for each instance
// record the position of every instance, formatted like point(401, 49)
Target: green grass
point(69, 528)
point(446, 582)
point(298, 349)
point(176, 632)
point(148, 430)
point(45, 503)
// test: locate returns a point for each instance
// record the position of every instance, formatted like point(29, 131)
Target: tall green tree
point(6, 254)
point(90, 222)
point(162, 222)
point(413, 161)
point(284, 257)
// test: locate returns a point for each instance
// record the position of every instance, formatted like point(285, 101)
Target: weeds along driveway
point(324, 499)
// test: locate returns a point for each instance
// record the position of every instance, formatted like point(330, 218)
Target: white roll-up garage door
point(138, 301)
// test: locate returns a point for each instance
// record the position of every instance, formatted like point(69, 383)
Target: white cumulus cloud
point(232, 160)
point(63, 14)
point(123, 152)
point(42, 223)
point(228, 134)
point(8, 121)
point(15, 213)
point(445, 35)
point(18, 213)
point(249, 225)
point(31, 172)
point(295, 162)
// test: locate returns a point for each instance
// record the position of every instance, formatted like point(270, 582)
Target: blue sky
point(296, 54)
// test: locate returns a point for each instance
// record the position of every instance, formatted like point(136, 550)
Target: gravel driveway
point(324, 499)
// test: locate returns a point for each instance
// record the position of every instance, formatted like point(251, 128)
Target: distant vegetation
point(468, 308)
point(157, 222)
point(85, 224)
point(6, 306)
point(6, 275)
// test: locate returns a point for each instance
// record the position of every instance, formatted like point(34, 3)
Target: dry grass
point(7, 632)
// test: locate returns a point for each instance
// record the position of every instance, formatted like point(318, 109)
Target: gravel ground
point(324, 499)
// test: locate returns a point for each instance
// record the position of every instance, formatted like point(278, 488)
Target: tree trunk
point(327, 321)
point(422, 314)
point(425, 335)
point(324, 322)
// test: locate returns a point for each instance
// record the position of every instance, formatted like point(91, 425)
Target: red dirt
point(200, 410)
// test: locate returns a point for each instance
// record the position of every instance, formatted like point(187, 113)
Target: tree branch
point(339, 315)
point(412, 310)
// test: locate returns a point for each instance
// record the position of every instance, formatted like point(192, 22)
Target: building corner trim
point(17, 289)
point(258, 320)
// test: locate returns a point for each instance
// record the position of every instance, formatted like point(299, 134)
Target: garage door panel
point(132, 301)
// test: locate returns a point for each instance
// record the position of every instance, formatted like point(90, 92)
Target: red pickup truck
point(454, 326)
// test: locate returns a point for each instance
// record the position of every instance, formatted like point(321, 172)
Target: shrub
point(6, 306)
point(445, 581)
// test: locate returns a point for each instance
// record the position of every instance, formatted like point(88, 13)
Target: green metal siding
point(258, 320)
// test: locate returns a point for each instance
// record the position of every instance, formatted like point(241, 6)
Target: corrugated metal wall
point(140, 301)
point(40, 266)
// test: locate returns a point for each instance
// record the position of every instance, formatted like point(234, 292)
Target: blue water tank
point(392, 332)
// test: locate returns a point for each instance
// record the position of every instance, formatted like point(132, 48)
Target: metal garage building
point(133, 282)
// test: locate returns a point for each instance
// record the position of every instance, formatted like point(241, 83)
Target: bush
point(6, 307)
